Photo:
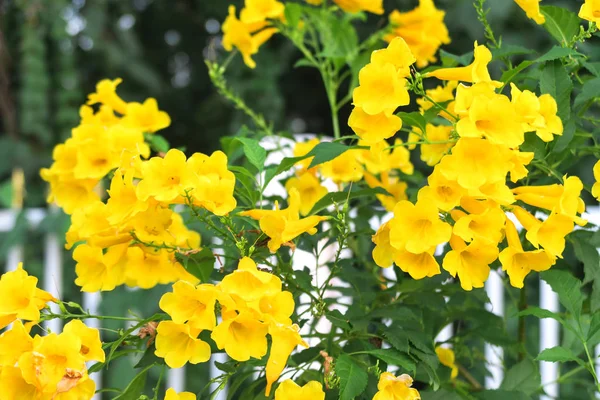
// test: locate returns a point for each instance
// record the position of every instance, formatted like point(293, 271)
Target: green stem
point(592, 366)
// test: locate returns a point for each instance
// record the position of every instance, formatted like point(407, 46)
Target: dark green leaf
point(523, 377)
point(136, 387)
point(555, 81)
point(157, 143)
point(508, 76)
point(149, 358)
point(440, 395)
point(338, 320)
point(397, 339)
point(593, 67)
point(591, 90)
point(228, 367)
point(562, 142)
point(539, 313)
point(452, 60)
point(557, 354)
point(588, 255)
point(353, 378)
point(568, 289)
point(561, 23)
point(502, 395)
point(326, 151)
point(254, 152)
point(394, 358)
point(592, 335)
point(200, 264)
point(556, 53)
point(510, 50)
point(413, 119)
point(285, 164)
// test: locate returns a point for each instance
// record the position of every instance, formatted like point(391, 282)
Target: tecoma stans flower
point(596, 187)
point(192, 304)
point(549, 124)
point(289, 390)
point(559, 199)
point(13, 343)
point(242, 337)
point(445, 193)
point(284, 339)
point(391, 387)
point(471, 263)
point(123, 201)
point(178, 344)
point(398, 54)
point(590, 11)
point(21, 299)
point(382, 89)
point(392, 184)
point(249, 283)
point(532, 9)
point(375, 128)
point(353, 6)
point(344, 168)
point(486, 226)
point(447, 358)
point(550, 234)
point(303, 148)
point(475, 72)
point(417, 228)
point(518, 263)
point(256, 12)
point(310, 189)
point(146, 116)
point(106, 93)
point(282, 226)
point(97, 271)
point(166, 179)
point(171, 394)
point(91, 346)
point(432, 153)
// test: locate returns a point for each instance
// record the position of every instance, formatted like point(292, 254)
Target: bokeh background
point(52, 53)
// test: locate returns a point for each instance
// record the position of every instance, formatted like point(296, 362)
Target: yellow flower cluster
point(289, 390)
point(252, 305)
point(469, 188)
point(252, 29)
point(131, 238)
point(590, 11)
point(532, 9)
point(391, 387)
point(112, 136)
point(50, 367)
point(422, 28)
point(173, 395)
point(353, 6)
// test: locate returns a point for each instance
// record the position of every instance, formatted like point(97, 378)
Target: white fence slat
point(549, 337)
point(494, 355)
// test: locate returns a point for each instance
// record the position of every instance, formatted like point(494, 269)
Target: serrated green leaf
point(414, 119)
point(561, 23)
point(555, 81)
point(523, 377)
point(539, 313)
point(254, 152)
point(453, 60)
point(136, 387)
point(591, 90)
point(509, 75)
point(593, 67)
point(201, 264)
point(326, 151)
point(338, 320)
point(557, 52)
point(394, 358)
point(510, 50)
point(568, 289)
point(228, 367)
point(353, 378)
point(557, 354)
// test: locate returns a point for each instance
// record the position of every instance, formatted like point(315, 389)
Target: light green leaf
point(413, 119)
point(555, 81)
point(157, 142)
point(255, 153)
point(540, 313)
point(591, 90)
point(508, 76)
point(326, 151)
point(557, 52)
point(450, 60)
point(561, 23)
point(353, 378)
point(394, 358)
point(568, 289)
point(557, 354)
point(523, 377)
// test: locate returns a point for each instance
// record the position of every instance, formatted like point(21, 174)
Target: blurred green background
point(52, 53)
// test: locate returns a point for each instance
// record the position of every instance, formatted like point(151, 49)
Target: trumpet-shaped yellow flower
point(303, 148)
point(398, 54)
point(532, 9)
point(344, 168)
point(550, 234)
point(372, 129)
point(444, 193)
point(284, 339)
point(486, 226)
point(432, 153)
point(310, 189)
point(14, 387)
point(353, 6)
point(476, 72)
point(519, 263)
point(518, 162)
point(417, 228)
point(391, 387)
point(447, 358)
point(13, 343)
point(178, 344)
point(146, 268)
point(91, 346)
point(590, 11)
point(215, 183)
point(278, 307)
point(242, 337)
point(256, 12)
point(20, 297)
point(289, 390)
point(549, 124)
point(171, 394)
point(383, 253)
point(392, 184)
point(97, 271)
point(471, 263)
point(282, 226)
point(146, 116)
point(192, 304)
point(380, 159)
point(422, 28)
point(382, 89)
point(166, 179)
point(106, 94)
point(596, 187)
point(250, 284)
point(123, 202)
point(417, 265)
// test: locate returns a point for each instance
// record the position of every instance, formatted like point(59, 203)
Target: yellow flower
point(559, 199)
point(417, 265)
point(20, 297)
point(422, 28)
point(391, 387)
point(444, 193)
point(590, 11)
point(166, 179)
point(382, 89)
point(467, 95)
point(75, 386)
point(440, 94)
point(145, 268)
point(278, 307)
point(14, 387)
point(532, 9)
point(215, 183)
point(256, 12)
point(375, 128)
point(431, 154)
point(518, 162)
point(146, 116)
point(302, 149)
point(289, 390)
point(344, 168)
point(485, 226)
point(171, 394)
point(353, 6)
point(392, 184)
point(91, 346)
point(178, 344)
point(123, 202)
point(518, 263)
point(383, 253)
point(242, 337)
point(97, 271)
point(284, 339)
point(447, 358)
point(596, 187)
point(194, 305)
point(96, 156)
point(106, 94)
point(398, 54)
point(248, 283)
point(476, 72)
point(549, 124)
point(471, 263)
point(310, 189)
point(315, 2)
point(550, 234)
point(238, 34)
point(91, 224)
point(13, 343)
point(475, 162)
point(417, 228)
point(495, 119)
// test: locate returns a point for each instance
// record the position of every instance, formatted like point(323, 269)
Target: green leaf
point(509, 75)
point(588, 255)
point(157, 142)
point(200, 264)
point(353, 378)
point(568, 289)
point(293, 14)
point(593, 67)
point(555, 81)
point(557, 354)
point(254, 152)
point(413, 119)
point(338, 320)
point(556, 53)
point(442, 394)
point(594, 329)
point(452, 60)
point(398, 340)
point(523, 377)
point(338, 37)
point(540, 313)
point(591, 90)
point(562, 142)
point(285, 164)
point(136, 387)
point(394, 358)
point(149, 358)
point(341, 197)
point(502, 395)
point(228, 367)
point(326, 151)
point(510, 50)
point(561, 23)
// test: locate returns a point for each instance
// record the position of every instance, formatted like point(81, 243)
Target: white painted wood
point(494, 355)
